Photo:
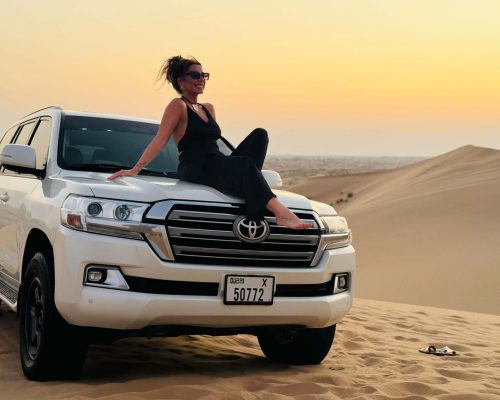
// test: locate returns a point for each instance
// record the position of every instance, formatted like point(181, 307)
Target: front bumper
point(116, 309)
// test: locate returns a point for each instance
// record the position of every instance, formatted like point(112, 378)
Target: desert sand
point(425, 234)
point(374, 356)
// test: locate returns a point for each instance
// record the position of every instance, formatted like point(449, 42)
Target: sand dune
point(426, 233)
point(375, 357)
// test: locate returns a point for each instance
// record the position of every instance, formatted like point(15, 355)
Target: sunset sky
point(373, 77)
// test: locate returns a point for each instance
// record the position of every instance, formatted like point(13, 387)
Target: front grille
point(203, 234)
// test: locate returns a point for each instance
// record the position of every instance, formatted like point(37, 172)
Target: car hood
point(151, 189)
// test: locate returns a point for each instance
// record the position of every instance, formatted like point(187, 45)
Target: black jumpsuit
point(238, 174)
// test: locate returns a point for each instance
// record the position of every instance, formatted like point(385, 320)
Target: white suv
point(84, 259)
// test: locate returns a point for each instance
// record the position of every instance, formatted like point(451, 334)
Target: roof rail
point(57, 107)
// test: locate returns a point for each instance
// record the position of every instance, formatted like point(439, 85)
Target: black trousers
point(238, 174)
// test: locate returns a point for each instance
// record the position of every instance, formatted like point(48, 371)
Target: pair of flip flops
point(443, 351)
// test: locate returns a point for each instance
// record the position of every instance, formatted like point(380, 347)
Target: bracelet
point(140, 165)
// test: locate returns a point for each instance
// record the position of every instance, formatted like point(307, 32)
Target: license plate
point(249, 289)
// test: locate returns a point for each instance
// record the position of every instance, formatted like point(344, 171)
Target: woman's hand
point(123, 172)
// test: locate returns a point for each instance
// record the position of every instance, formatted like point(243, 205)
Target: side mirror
point(19, 158)
point(272, 178)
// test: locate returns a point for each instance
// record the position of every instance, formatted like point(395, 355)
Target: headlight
point(336, 232)
point(109, 217)
point(335, 224)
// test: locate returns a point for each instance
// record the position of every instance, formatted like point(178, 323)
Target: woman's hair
point(174, 68)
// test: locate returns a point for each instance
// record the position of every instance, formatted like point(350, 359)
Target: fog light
point(105, 276)
point(341, 283)
point(95, 275)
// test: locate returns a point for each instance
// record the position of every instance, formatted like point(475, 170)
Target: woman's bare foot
point(285, 217)
point(292, 222)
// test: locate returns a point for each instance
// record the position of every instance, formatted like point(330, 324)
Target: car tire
point(301, 347)
point(50, 348)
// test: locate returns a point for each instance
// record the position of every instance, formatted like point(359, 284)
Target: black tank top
point(200, 136)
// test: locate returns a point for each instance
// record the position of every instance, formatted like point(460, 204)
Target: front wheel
point(49, 347)
point(301, 347)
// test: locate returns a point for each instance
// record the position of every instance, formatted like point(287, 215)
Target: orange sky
point(372, 77)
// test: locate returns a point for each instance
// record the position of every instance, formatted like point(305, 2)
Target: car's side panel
point(14, 212)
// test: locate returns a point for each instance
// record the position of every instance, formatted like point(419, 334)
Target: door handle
point(4, 197)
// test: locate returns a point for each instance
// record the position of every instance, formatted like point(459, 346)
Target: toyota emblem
point(250, 230)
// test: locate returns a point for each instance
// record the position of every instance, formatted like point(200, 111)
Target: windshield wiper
point(99, 167)
point(113, 167)
point(170, 174)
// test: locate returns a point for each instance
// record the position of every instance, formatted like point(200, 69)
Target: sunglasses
point(198, 75)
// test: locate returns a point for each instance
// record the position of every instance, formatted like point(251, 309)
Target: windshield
point(106, 144)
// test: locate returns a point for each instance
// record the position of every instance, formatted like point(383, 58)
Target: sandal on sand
point(430, 350)
point(443, 351)
point(446, 351)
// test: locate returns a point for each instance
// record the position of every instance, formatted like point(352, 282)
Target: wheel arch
point(38, 241)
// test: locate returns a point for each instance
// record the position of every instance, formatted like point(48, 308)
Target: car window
point(40, 142)
point(24, 135)
point(7, 137)
point(224, 146)
point(89, 141)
